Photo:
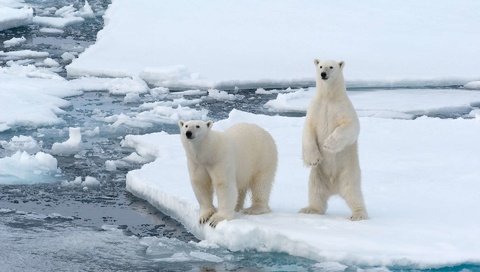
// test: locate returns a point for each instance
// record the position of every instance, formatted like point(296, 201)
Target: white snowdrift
point(226, 43)
point(400, 104)
point(421, 194)
point(14, 17)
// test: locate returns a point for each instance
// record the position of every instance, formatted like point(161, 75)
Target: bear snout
point(189, 134)
point(324, 75)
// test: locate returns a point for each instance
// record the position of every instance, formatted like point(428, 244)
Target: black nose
point(323, 74)
point(189, 134)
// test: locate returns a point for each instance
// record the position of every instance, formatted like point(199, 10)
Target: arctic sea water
point(55, 226)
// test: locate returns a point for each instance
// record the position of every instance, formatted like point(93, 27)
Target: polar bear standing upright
point(242, 158)
point(330, 143)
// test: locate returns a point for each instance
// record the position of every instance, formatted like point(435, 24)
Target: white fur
point(330, 144)
point(242, 158)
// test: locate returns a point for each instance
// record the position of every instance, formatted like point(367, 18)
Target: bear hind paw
point(257, 210)
point(310, 210)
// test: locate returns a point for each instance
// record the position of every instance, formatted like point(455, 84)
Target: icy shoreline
point(415, 188)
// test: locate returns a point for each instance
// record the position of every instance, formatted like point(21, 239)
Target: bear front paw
point(205, 215)
point(215, 219)
point(359, 216)
point(312, 158)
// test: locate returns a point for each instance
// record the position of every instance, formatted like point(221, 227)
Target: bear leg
point(318, 193)
point(261, 187)
point(351, 191)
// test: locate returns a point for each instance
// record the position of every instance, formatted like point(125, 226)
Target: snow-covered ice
point(57, 22)
point(225, 43)
point(23, 54)
point(474, 85)
point(22, 143)
point(23, 168)
point(417, 190)
point(50, 62)
point(14, 42)
point(158, 114)
point(88, 181)
point(14, 17)
point(401, 103)
point(71, 146)
point(50, 30)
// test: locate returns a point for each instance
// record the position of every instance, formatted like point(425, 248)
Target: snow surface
point(420, 191)
point(70, 146)
point(402, 103)
point(226, 43)
point(14, 17)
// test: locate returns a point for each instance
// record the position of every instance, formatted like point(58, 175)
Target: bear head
point(195, 130)
point(328, 70)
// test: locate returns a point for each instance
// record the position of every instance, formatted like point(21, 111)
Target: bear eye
point(321, 67)
point(198, 126)
point(186, 126)
point(331, 67)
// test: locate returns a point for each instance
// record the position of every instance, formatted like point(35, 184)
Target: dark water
point(52, 227)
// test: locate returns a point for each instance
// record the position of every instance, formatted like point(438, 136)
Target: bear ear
point(181, 123)
point(341, 64)
point(316, 61)
point(209, 124)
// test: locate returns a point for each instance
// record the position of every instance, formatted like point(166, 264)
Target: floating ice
point(86, 11)
point(474, 85)
point(68, 56)
point(221, 95)
point(70, 146)
point(22, 168)
point(156, 115)
point(66, 11)
point(23, 54)
point(255, 53)
point(13, 17)
point(14, 42)
point(22, 143)
point(131, 98)
point(401, 104)
point(116, 86)
point(88, 181)
point(51, 62)
point(413, 197)
point(50, 30)
point(57, 22)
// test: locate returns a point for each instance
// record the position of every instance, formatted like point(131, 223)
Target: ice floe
point(14, 42)
point(390, 103)
point(22, 143)
point(14, 17)
point(71, 146)
point(276, 42)
point(416, 187)
point(23, 168)
point(57, 22)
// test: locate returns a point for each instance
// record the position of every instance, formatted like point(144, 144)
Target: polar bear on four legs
point(242, 158)
point(330, 143)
